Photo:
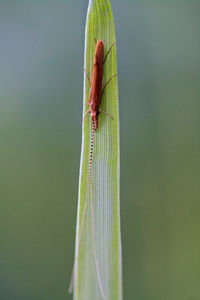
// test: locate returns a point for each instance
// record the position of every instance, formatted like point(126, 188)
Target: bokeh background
point(41, 79)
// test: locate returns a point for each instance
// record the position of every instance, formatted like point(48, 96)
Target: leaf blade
point(105, 170)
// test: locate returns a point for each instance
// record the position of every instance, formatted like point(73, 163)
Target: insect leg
point(108, 51)
point(101, 110)
point(86, 74)
point(107, 83)
point(85, 115)
point(95, 40)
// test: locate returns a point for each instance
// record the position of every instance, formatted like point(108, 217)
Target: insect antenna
point(70, 289)
point(92, 215)
point(92, 218)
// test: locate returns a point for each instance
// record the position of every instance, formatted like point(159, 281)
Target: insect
point(94, 101)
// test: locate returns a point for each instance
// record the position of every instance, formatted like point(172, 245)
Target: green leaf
point(105, 175)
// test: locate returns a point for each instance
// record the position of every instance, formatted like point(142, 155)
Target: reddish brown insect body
point(95, 91)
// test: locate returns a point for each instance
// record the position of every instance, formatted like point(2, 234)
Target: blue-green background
point(41, 79)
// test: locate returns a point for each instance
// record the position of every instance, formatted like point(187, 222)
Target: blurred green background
point(41, 80)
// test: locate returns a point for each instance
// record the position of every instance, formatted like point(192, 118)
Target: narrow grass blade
point(105, 175)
